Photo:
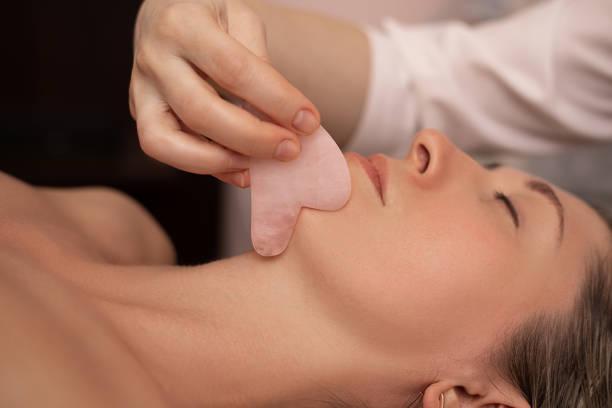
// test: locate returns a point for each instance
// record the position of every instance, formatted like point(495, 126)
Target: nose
point(433, 159)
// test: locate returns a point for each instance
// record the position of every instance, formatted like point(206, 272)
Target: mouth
point(375, 168)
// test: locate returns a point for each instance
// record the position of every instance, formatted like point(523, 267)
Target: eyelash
point(511, 208)
point(491, 166)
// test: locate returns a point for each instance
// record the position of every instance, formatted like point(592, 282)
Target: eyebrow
point(549, 193)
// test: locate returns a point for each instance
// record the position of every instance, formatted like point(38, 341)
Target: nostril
point(423, 158)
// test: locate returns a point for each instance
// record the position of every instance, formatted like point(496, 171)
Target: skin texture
point(190, 55)
point(372, 304)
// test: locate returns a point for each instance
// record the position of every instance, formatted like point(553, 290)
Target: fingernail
point(305, 121)
point(239, 161)
point(286, 150)
point(238, 179)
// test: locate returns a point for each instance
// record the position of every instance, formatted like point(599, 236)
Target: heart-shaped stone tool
point(318, 178)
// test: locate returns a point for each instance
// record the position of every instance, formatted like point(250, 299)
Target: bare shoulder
point(57, 347)
point(119, 226)
point(98, 223)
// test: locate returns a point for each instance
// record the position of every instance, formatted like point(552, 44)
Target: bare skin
point(56, 348)
point(87, 288)
point(373, 303)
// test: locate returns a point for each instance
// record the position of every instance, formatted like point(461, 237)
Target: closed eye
point(511, 208)
point(492, 165)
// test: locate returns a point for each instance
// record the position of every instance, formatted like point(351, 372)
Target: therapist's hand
point(187, 54)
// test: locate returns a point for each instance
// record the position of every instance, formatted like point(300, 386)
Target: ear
point(457, 395)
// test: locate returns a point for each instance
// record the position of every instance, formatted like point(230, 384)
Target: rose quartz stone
point(318, 178)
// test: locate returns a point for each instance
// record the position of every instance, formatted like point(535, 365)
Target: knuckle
point(195, 113)
point(251, 21)
point(173, 19)
point(149, 143)
point(143, 58)
point(235, 72)
point(257, 142)
point(216, 163)
point(266, 133)
point(219, 160)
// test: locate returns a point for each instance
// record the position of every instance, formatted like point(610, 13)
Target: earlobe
point(440, 395)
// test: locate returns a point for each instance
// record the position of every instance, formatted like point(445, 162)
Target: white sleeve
point(535, 82)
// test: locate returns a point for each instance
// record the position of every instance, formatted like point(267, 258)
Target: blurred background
point(64, 118)
point(65, 121)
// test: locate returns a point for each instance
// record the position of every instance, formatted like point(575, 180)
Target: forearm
point(326, 59)
point(534, 82)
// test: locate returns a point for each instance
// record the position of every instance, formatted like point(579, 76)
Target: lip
point(380, 164)
point(376, 168)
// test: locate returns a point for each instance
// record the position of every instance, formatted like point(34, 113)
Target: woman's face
point(450, 256)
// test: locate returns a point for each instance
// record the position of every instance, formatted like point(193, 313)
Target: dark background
point(65, 121)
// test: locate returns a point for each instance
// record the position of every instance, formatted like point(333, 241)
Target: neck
point(239, 332)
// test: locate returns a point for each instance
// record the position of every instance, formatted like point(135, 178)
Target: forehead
point(586, 236)
point(587, 231)
point(559, 271)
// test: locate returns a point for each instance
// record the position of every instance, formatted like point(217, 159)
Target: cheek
point(391, 277)
point(461, 269)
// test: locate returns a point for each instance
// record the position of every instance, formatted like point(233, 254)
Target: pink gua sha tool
point(318, 178)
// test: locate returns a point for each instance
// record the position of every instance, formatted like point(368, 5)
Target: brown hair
point(566, 361)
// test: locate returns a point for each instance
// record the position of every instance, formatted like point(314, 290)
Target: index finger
point(235, 68)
